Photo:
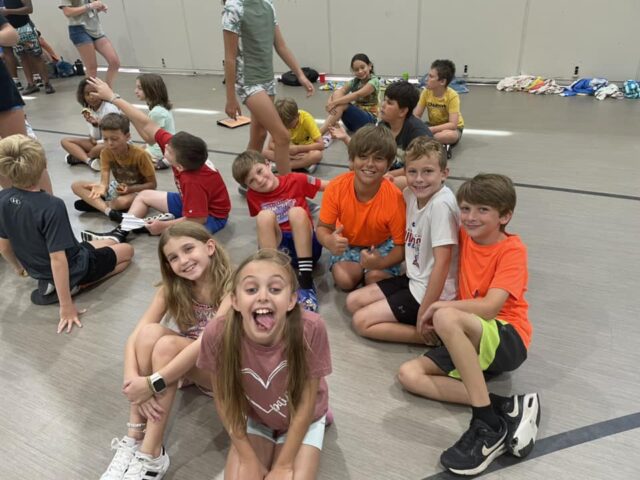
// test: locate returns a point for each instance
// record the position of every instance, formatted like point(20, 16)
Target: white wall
point(495, 38)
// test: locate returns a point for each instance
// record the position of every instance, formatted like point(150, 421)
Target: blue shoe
point(308, 299)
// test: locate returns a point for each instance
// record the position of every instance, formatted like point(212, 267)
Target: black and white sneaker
point(522, 414)
point(115, 216)
point(71, 160)
point(476, 449)
point(117, 235)
point(83, 206)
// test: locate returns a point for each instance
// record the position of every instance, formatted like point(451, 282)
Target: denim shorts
point(78, 35)
point(314, 436)
point(352, 254)
point(174, 204)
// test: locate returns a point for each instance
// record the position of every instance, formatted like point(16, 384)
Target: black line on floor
point(337, 165)
point(558, 442)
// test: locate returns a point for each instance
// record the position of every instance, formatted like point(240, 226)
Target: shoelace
point(122, 457)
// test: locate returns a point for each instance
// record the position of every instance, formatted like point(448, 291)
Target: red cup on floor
point(322, 77)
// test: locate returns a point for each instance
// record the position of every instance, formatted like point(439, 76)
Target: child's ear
point(234, 302)
point(506, 218)
point(292, 301)
point(127, 136)
point(211, 246)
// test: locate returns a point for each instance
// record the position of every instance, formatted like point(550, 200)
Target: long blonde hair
point(177, 290)
point(229, 391)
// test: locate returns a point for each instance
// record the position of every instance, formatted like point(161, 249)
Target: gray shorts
point(245, 91)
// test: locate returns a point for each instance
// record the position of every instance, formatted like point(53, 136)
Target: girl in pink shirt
point(268, 360)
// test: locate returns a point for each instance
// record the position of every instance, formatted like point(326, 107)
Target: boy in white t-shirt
point(388, 310)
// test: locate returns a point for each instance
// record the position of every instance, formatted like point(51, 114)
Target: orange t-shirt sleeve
point(511, 271)
point(329, 207)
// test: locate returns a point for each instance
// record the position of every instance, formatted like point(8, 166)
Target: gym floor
point(575, 164)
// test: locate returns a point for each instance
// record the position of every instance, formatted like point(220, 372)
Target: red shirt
point(203, 191)
point(293, 191)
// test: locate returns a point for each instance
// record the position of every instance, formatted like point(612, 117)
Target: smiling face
point(263, 297)
point(370, 168)
point(188, 258)
point(483, 223)
point(425, 178)
point(139, 92)
point(261, 179)
point(361, 70)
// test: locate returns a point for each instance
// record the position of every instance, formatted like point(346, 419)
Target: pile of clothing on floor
point(597, 87)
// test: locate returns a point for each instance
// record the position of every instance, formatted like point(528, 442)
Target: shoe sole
point(163, 217)
point(90, 236)
point(525, 434)
point(483, 466)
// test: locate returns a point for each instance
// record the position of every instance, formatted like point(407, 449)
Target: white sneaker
point(125, 451)
point(161, 217)
point(327, 140)
point(144, 467)
point(94, 164)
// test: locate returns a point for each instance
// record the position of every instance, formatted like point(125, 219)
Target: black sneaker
point(522, 414)
point(30, 89)
point(83, 206)
point(71, 160)
point(115, 215)
point(476, 449)
point(117, 235)
point(48, 89)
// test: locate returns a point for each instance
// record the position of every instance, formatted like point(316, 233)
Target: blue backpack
point(65, 69)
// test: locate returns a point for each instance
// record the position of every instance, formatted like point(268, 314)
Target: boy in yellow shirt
point(442, 104)
point(305, 149)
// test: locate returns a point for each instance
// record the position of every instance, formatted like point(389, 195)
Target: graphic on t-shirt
point(413, 240)
point(280, 208)
point(281, 402)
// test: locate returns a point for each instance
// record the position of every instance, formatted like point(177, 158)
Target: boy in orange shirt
point(486, 331)
point(362, 216)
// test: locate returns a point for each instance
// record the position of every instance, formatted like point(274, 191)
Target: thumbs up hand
point(370, 258)
point(337, 243)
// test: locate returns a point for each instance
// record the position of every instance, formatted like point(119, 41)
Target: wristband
point(114, 98)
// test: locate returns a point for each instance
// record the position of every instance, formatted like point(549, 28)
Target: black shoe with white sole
point(117, 235)
point(522, 414)
point(476, 449)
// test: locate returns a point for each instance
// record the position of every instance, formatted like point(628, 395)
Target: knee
point(359, 323)
point(374, 276)
point(343, 280)
point(445, 321)
point(125, 252)
point(315, 156)
point(353, 302)
point(280, 136)
point(406, 375)
point(114, 63)
point(266, 219)
point(77, 187)
point(298, 215)
point(165, 350)
point(149, 335)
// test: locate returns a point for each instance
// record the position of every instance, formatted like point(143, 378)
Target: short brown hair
point(191, 151)
point(424, 146)
point(115, 121)
point(243, 164)
point(22, 160)
point(372, 139)
point(491, 189)
point(287, 109)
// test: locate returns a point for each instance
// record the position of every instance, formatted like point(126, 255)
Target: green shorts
point(501, 350)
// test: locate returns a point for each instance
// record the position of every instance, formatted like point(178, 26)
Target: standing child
point(131, 167)
point(389, 310)
point(362, 214)
point(283, 219)
point(250, 33)
point(486, 331)
point(356, 102)
point(151, 89)
point(305, 150)
point(195, 271)
point(442, 104)
point(202, 197)
point(36, 236)
point(87, 150)
point(267, 361)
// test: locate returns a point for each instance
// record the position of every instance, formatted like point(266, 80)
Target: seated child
point(132, 171)
point(485, 332)
point(203, 196)
point(388, 310)
point(267, 362)
point(362, 214)
point(36, 236)
point(151, 89)
point(87, 150)
point(283, 219)
point(442, 104)
point(305, 150)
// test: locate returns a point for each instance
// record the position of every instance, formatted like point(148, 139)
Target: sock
point(498, 402)
point(305, 268)
point(488, 416)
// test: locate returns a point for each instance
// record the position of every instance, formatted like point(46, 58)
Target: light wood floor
point(60, 394)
